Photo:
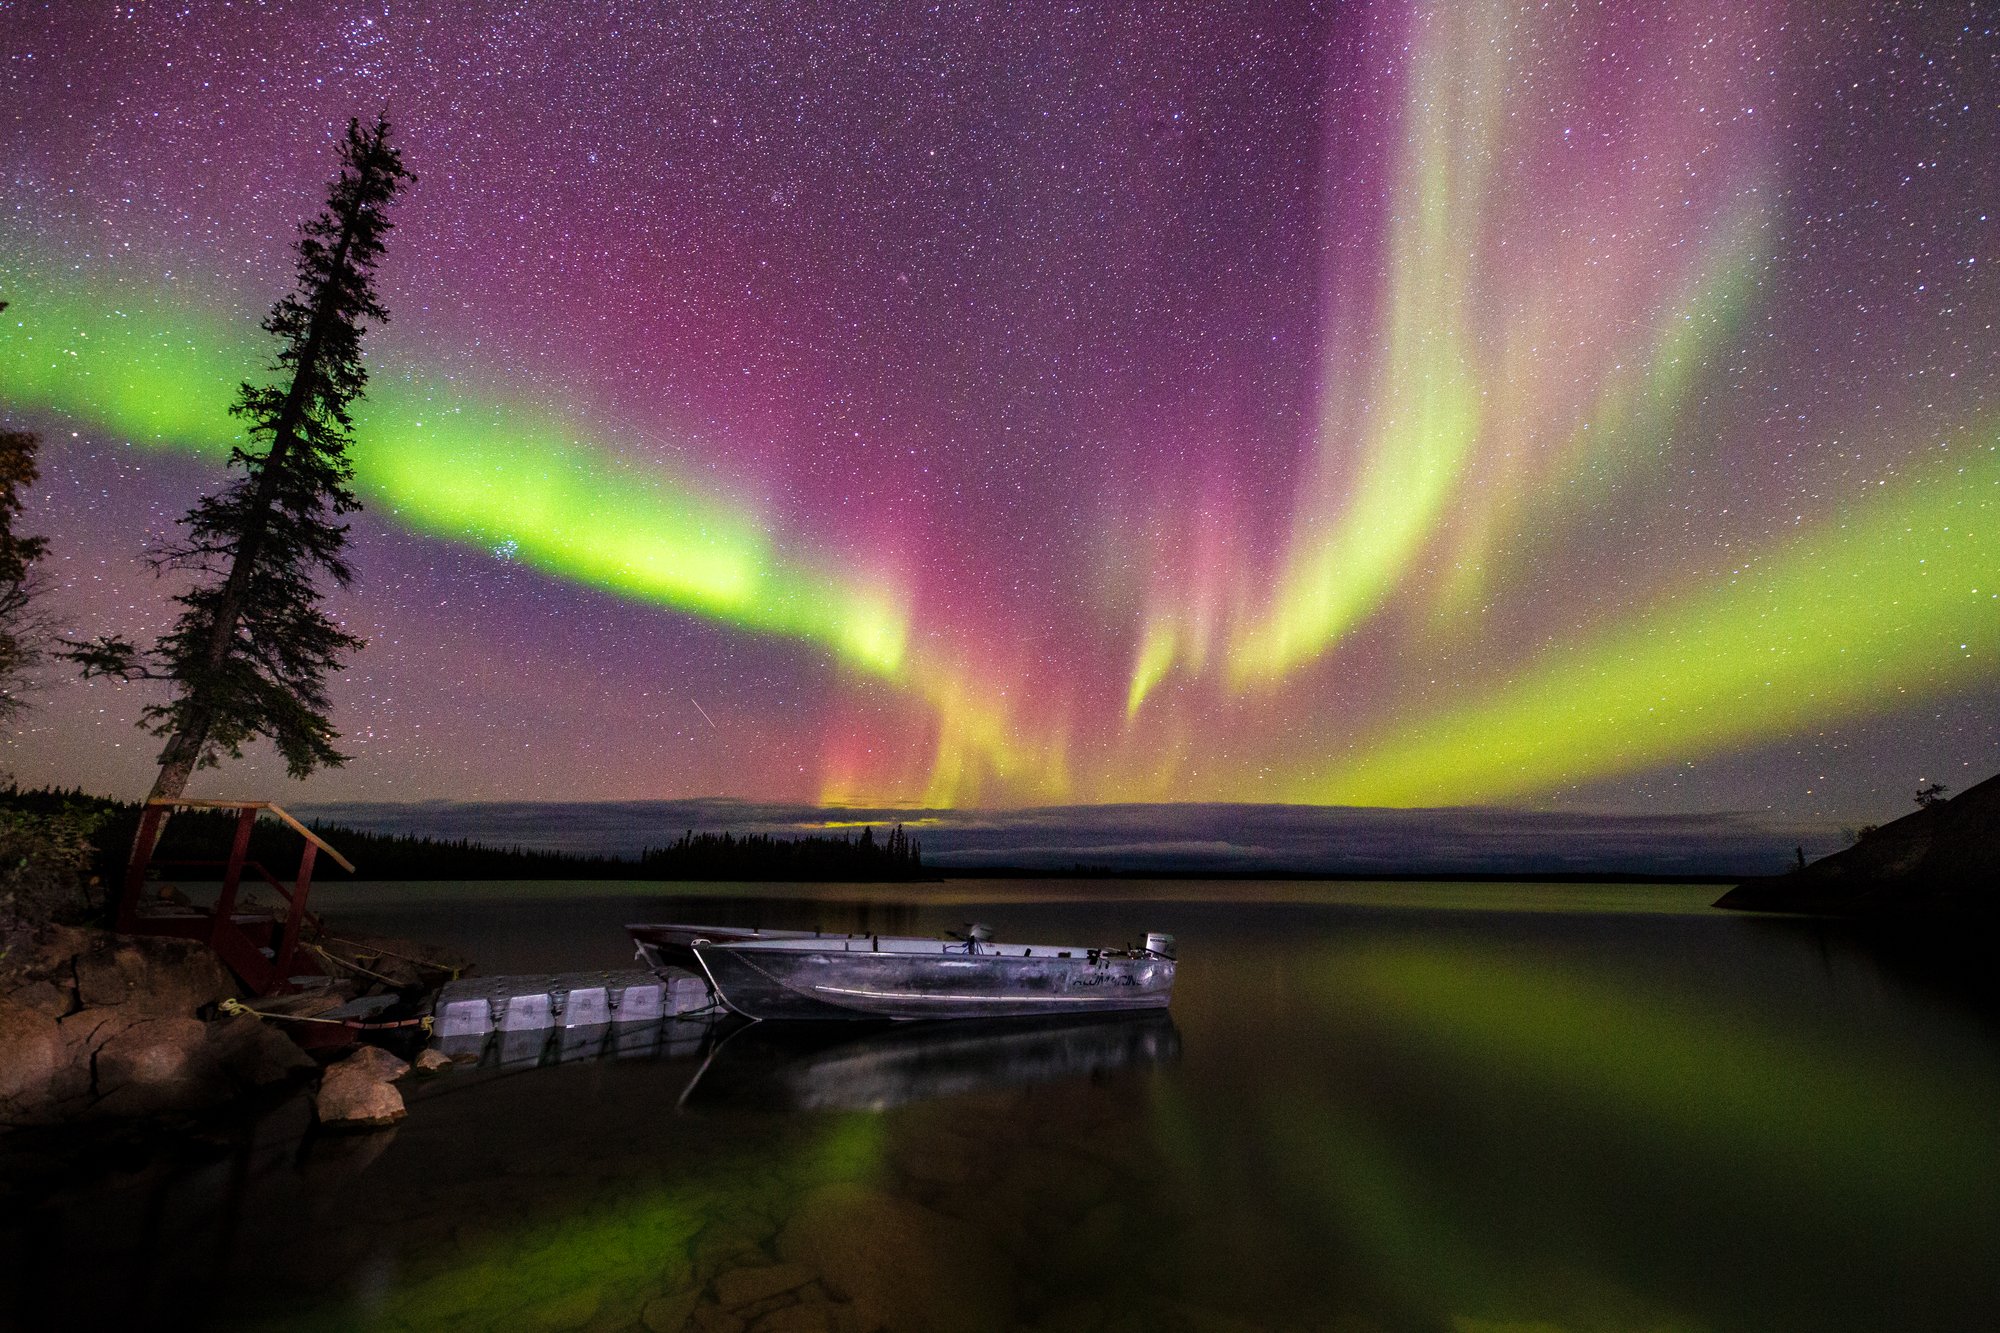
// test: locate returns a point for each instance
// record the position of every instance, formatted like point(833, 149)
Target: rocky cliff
point(1942, 860)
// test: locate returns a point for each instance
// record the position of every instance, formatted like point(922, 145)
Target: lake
point(1475, 1108)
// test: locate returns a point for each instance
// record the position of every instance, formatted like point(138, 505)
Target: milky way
point(1378, 404)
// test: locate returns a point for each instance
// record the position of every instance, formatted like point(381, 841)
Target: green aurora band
point(1897, 600)
point(1887, 602)
point(494, 474)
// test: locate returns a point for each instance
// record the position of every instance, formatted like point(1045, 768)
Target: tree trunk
point(182, 753)
point(177, 763)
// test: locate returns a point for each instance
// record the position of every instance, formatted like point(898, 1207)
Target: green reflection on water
point(1697, 1078)
point(1437, 1134)
point(603, 1263)
point(1412, 1134)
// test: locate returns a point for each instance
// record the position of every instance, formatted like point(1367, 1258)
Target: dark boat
point(796, 974)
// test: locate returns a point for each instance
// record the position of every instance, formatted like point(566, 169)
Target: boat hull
point(831, 984)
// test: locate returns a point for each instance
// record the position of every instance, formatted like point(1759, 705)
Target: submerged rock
point(900, 1264)
point(737, 1287)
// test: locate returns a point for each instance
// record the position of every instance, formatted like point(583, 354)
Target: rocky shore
point(96, 1026)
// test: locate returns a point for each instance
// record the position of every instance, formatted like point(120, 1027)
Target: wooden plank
point(204, 803)
point(208, 803)
point(309, 835)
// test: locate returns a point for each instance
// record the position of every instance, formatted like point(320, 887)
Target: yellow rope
point(234, 1007)
point(390, 982)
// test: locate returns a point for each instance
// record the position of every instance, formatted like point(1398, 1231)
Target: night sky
point(1564, 405)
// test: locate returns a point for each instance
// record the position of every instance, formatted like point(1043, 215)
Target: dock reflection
point(872, 1067)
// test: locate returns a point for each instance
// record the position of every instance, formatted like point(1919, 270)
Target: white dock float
point(565, 1016)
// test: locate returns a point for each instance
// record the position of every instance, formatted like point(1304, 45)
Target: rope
point(234, 1007)
point(391, 953)
point(350, 964)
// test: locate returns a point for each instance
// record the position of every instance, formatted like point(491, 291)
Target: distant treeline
point(204, 835)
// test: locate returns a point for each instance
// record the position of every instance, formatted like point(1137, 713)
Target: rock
point(43, 997)
point(746, 1286)
point(31, 1048)
point(572, 1309)
point(430, 1060)
point(668, 1314)
point(158, 1050)
point(715, 1319)
point(49, 955)
point(101, 1024)
point(357, 1094)
point(902, 1265)
point(254, 1053)
point(163, 976)
point(820, 1318)
point(376, 1063)
point(157, 1065)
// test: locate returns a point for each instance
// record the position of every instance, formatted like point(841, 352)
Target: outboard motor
point(1160, 944)
point(976, 934)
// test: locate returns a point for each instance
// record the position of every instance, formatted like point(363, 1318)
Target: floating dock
point(558, 1017)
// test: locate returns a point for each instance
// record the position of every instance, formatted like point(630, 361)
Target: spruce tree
point(251, 650)
point(19, 649)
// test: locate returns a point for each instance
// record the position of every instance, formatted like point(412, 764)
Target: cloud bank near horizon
point(1218, 838)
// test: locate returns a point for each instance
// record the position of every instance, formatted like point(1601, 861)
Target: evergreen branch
point(111, 655)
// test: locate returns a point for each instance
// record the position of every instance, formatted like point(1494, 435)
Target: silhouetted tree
point(1932, 793)
point(19, 649)
point(250, 652)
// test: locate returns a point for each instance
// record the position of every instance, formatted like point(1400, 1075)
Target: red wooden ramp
point(261, 946)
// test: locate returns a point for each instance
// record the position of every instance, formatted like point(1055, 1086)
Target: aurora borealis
point(1399, 403)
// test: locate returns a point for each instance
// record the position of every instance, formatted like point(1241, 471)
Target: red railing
point(260, 949)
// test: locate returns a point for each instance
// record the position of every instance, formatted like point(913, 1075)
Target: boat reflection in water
point(835, 1067)
point(842, 1065)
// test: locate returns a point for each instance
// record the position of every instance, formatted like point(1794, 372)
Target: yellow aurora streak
point(1894, 602)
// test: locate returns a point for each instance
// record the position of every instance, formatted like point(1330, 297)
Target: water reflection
point(871, 1067)
point(840, 1066)
point(1359, 1118)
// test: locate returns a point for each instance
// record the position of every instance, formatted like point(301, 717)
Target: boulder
point(31, 1049)
point(357, 1092)
point(430, 1060)
point(156, 1065)
point(254, 1053)
point(43, 997)
point(376, 1063)
point(159, 975)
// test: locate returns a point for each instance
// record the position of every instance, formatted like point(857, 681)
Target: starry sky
point(1563, 405)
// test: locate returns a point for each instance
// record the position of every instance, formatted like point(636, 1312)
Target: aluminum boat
point(799, 974)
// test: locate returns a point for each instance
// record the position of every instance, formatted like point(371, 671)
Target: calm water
point(1468, 1108)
